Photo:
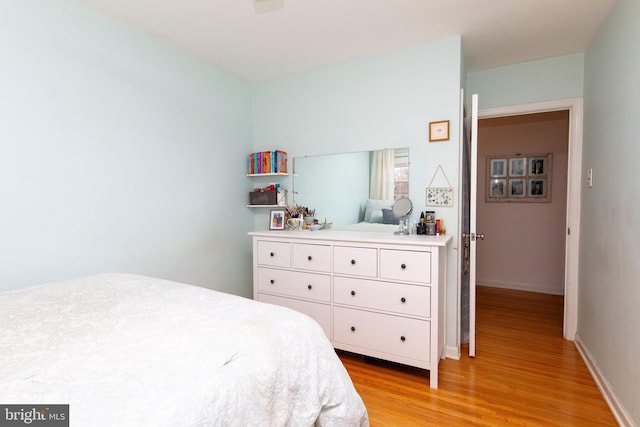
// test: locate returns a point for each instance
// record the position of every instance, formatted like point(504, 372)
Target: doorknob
point(473, 236)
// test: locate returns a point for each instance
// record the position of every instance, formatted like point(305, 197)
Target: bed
point(130, 350)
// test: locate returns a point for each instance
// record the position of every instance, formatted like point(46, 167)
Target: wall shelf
point(268, 174)
point(266, 206)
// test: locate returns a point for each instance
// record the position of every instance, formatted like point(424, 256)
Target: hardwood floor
point(524, 374)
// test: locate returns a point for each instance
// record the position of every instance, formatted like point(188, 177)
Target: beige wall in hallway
point(525, 242)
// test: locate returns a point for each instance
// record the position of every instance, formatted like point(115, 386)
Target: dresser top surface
point(357, 236)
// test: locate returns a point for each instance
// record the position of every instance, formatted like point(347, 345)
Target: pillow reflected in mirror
point(388, 217)
point(373, 210)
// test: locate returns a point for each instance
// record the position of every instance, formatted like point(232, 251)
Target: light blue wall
point(609, 295)
point(116, 153)
point(383, 101)
point(548, 79)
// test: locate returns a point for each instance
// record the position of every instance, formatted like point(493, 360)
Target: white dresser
point(375, 294)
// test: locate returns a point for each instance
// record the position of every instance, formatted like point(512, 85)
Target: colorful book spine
point(266, 162)
point(282, 161)
point(262, 162)
point(274, 161)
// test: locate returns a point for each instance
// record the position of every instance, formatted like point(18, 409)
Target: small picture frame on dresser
point(276, 219)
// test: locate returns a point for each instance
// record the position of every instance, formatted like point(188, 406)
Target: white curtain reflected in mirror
point(381, 186)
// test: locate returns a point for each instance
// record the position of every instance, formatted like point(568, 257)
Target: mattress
point(125, 350)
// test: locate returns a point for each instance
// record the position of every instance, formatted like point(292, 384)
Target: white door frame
point(574, 174)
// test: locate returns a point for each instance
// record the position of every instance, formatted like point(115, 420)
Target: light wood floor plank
point(524, 374)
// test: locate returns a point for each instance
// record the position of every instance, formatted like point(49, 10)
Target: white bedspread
point(126, 350)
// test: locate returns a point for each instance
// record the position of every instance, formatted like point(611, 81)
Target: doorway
point(525, 228)
point(574, 177)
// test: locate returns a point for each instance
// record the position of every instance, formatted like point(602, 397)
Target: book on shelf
point(263, 162)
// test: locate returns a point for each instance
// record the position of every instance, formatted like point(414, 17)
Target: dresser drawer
point(296, 284)
point(275, 254)
point(312, 257)
point(405, 266)
point(355, 261)
point(414, 300)
point(383, 333)
point(321, 313)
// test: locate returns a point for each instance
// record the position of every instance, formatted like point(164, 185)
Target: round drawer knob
point(272, 254)
point(353, 329)
point(402, 338)
point(353, 262)
point(353, 293)
point(403, 266)
point(272, 281)
point(309, 287)
point(403, 299)
point(309, 257)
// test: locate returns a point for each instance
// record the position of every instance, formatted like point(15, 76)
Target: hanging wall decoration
point(519, 178)
point(439, 196)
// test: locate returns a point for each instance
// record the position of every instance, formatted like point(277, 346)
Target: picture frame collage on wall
point(519, 178)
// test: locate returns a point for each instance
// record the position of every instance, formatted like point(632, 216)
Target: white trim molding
point(620, 414)
point(542, 288)
point(452, 352)
point(574, 174)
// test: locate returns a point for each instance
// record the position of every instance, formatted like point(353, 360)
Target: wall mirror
point(338, 186)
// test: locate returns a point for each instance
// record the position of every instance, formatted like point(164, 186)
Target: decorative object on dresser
point(372, 294)
point(401, 209)
point(277, 219)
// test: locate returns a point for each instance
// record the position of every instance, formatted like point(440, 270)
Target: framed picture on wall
point(517, 188)
point(439, 131)
point(538, 166)
point(517, 166)
point(498, 167)
point(537, 187)
point(498, 187)
point(519, 178)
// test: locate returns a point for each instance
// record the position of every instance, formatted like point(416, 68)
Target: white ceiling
point(271, 38)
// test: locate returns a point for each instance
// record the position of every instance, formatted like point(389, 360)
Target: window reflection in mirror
point(338, 186)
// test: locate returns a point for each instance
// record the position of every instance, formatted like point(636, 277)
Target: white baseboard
point(620, 414)
point(452, 353)
point(528, 287)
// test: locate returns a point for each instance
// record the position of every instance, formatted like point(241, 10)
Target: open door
point(468, 209)
point(470, 238)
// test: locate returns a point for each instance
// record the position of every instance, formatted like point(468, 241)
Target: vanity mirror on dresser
point(376, 294)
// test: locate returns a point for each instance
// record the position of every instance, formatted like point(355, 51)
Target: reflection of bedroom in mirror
point(352, 188)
